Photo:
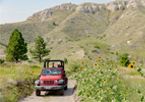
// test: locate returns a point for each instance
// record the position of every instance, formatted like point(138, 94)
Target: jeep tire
point(37, 92)
point(65, 88)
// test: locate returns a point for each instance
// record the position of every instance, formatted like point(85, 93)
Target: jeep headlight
point(41, 81)
point(55, 81)
point(37, 82)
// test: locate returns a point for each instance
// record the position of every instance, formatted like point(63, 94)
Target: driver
point(53, 65)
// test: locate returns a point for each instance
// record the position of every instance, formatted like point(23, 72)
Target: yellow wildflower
point(131, 66)
point(100, 89)
point(133, 62)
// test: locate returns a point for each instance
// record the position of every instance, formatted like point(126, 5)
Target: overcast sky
point(18, 10)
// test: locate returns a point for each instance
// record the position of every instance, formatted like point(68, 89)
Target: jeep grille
point(49, 82)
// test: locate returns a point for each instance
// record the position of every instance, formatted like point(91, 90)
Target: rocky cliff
point(88, 7)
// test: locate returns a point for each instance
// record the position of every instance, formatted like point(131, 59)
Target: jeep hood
point(50, 77)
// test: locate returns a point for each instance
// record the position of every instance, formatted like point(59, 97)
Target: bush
point(94, 51)
point(2, 61)
point(96, 46)
point(124, 61)
point(65, 60)
point(112, 52)
point(117, 53)
point(74, 67)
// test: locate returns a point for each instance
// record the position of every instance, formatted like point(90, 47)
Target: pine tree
point(40, 49)
point(17, 48)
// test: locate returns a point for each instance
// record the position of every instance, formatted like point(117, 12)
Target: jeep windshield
point(51, 72)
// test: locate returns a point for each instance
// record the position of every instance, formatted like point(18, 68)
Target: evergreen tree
point(17, 48)
point(40, 49)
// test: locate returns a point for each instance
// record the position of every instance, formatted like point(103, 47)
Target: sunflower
point(131, 66)
point(94, 82)
point(95, 64)
point(123, 81)
point(88, 56)
point(112, 65)
point(107, 88)
point(118, 78)
point(133, 62)
point(98, 60)
point(82, 67)
point(100, 89)
point(77, 69)
point(91, 70)
point(104, 80)
point(82, 62)
point(137, 90)
point(100, 57)
point(116, 71)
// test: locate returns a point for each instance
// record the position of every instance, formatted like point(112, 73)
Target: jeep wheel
point(61, 91)
point(65, 88)
point(38, 92)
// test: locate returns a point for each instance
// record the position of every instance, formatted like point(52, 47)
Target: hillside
point(118, 26)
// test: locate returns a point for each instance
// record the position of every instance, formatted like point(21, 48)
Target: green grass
point(11, 74)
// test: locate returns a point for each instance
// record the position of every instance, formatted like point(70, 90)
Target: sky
point(12, 11)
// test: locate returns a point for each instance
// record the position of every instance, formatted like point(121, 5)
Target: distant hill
point(118, 24)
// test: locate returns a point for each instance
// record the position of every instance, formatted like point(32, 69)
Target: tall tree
point(17, 48)
point(40, 49)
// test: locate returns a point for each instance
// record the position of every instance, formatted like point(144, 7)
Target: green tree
point(17, 48)
point(39, 49)
point(124, 61)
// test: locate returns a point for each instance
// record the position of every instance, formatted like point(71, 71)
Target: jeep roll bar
point(46, 63)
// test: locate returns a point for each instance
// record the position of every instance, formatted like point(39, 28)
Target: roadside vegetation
point(17, 80)
point(102, 81)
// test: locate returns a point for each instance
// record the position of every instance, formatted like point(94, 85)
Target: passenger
point(58, 65)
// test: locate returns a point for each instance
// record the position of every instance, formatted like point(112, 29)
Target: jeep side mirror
point(39, 75)
point(64, 74)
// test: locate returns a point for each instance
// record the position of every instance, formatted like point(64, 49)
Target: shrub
point(117, 53)
point(65, 60)
point(2, 61)
point(74, 67)
point(124, 61)
point(94, 51)
point(54, 24)
point(112, 52)
point(104, 35)
point(96, 46)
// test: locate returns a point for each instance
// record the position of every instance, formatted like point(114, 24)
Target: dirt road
point(68, 95)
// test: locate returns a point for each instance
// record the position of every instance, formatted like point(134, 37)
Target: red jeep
point(52, 78)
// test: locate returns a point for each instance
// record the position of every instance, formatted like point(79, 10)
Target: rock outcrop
point(114, 6)
point(43, 15)
point(143, 2)
point(133, 4)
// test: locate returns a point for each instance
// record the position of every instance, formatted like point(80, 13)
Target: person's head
point(53, 64)
point(58, 65)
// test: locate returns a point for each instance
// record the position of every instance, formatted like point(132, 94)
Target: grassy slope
point(129, 27)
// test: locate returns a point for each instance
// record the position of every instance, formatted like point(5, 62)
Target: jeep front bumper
point(47, 88)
